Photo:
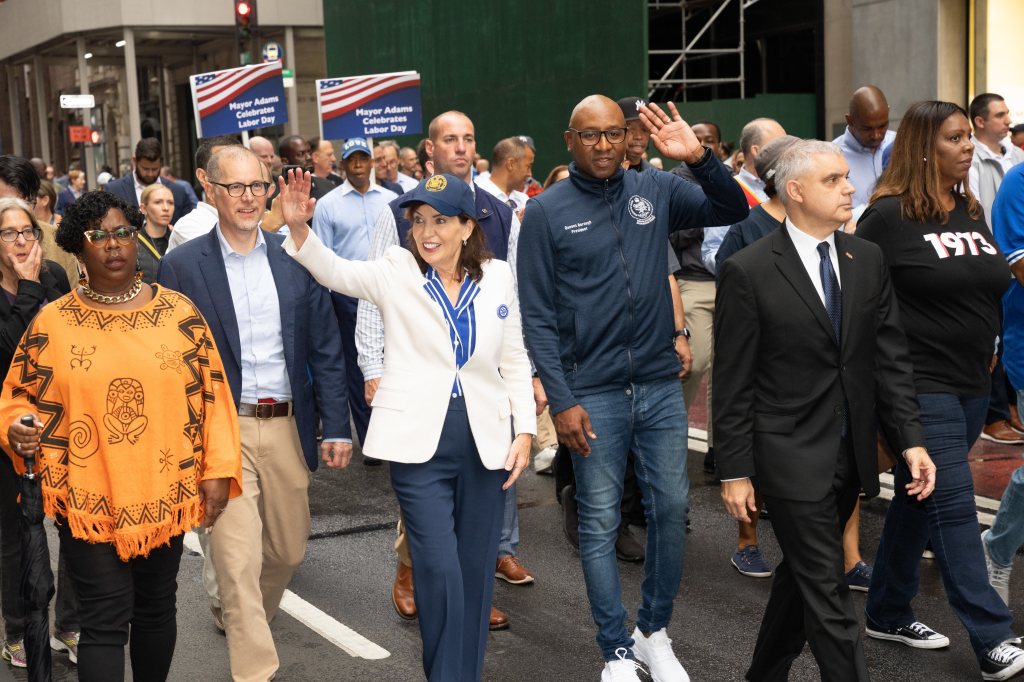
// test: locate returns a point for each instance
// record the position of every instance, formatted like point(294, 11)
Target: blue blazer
point(312, 341)
point(124, 187)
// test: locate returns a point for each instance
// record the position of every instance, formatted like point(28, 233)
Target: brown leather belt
point(265, 410)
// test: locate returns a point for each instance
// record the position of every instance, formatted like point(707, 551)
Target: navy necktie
point(830, 287)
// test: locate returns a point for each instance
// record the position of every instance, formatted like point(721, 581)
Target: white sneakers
point(623, 670)
point(998, 576)
point(543, 460)
point(656, 652)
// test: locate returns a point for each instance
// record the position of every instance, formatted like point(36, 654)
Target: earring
point(463, 242)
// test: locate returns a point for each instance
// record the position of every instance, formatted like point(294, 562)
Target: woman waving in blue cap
point(454, 413)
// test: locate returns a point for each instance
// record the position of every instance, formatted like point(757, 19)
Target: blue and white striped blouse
point(461, 318)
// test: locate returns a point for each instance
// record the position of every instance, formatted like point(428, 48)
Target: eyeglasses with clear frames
point(237, 189)
point(591, 137)
point(123, 235)
point(30, 234)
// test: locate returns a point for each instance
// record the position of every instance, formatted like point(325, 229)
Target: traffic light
point(245, 18)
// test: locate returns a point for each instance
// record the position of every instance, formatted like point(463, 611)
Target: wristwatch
point(684, 332)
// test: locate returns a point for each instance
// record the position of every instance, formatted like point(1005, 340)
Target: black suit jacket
point(124, 187)
point(781, 380)
point(14, 319)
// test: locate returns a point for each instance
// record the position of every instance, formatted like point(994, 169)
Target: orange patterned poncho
point(135, 412)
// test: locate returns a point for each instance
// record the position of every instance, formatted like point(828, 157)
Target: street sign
point(369, 106)
point(289, 78)
point(79, 133)
point(77, 101)
point(273, 52)
point(230, 101)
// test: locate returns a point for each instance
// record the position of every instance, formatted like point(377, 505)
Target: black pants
point(11, 602)
point(116, 598)
point(810, 601)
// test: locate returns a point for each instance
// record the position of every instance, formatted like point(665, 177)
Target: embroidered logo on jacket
point(641, 210)
point(503, 311)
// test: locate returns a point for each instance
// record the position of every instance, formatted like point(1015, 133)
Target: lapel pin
point(849, 255)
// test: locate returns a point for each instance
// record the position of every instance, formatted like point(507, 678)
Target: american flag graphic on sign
point(215, 90)
point(338, 96)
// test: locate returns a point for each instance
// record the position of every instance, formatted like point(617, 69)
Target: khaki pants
point(546, 436)
point(259, 541)
point(699, 307)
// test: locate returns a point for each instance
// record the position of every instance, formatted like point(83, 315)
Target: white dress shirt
point(807, 249)
point(519, 198)
point(197, 222)
point(407, 183)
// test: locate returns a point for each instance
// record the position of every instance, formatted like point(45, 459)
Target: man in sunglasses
point(285, 367)
point(598, 323)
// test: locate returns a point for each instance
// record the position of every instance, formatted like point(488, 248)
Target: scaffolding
point(690, 12)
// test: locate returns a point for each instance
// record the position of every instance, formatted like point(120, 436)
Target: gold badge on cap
point(436, 183)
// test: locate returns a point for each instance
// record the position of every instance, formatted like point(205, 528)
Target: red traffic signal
point(242, 8)
point(245, 17)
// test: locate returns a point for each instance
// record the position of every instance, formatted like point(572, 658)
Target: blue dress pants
point(452, 508)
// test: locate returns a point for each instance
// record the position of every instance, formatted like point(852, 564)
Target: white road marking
point(987, 507)
point(334, 631)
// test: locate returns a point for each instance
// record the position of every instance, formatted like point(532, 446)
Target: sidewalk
point(991, 464)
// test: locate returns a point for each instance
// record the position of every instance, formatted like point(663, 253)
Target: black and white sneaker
point(916, 635)
point(1002, 663)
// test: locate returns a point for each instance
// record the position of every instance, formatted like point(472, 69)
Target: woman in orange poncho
point(136, 437)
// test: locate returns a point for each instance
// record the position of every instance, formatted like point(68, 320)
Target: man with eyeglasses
point(285, 368)
point(598, 322)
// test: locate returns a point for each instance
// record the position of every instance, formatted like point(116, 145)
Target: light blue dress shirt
point(344, 219)
point(713, 236)
point(258, 313)
point(865, 164)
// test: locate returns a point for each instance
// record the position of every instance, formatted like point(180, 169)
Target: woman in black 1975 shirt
point(949, 276)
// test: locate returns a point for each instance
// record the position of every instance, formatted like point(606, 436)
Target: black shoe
point(371, 461)
point(916, 635)
point(627, 548)
point(709, 461)
point(1002, 663)
point(570, 517)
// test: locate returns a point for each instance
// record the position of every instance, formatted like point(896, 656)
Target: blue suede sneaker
point(750, 562)
point(859, 577)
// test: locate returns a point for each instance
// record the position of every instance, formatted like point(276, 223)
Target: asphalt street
point(350, 566)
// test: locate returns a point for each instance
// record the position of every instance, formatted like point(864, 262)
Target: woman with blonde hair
point(157, 206)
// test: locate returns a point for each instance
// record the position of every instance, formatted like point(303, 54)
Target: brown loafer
point(402, 593)
point(499, 621)
point(512, 571)
point(1000, 432)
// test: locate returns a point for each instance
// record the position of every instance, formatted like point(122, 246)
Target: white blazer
point(411, 402)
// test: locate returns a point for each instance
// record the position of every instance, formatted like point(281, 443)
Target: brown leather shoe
point(1015, 422)
point(402, 593)
point(511, 571)
point(499, 621)
point(1000, 432)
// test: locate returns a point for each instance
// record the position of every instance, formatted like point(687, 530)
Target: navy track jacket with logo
point(596, 308)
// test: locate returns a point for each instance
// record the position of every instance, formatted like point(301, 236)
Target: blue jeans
point(508, 543)
point(949, 517)
point(649, 419)
point(1007, 533)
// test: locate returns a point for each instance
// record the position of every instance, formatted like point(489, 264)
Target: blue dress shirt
point(461, 319)
point(865, 164)
point(258, 312)
point(344, 218)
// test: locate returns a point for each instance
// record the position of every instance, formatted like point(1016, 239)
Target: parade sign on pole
point(234, 100)
point(369, 106)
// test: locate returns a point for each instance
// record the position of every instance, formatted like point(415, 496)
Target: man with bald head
point(264, 149)
point(598, 322)
point(866, 137)
point(754, 136)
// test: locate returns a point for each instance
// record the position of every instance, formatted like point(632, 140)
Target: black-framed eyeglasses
point(30, 234)
point(123, 235)
point(591, 137)
point(237, 189)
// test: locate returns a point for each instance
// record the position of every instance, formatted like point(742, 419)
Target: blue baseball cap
point(353, 145)
point(446, 193)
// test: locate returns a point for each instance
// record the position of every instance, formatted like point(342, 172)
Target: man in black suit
point(810, 352)
point(147, 161)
